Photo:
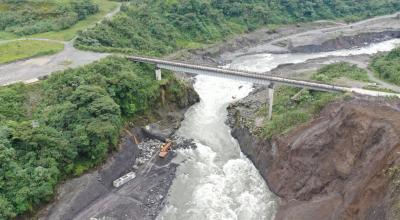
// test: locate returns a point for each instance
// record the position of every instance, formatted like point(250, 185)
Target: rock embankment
point(341, 165)
point(319, 36)
point(344, 37)
point(345, 42)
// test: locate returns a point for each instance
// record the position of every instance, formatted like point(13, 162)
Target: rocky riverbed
point(93, 196)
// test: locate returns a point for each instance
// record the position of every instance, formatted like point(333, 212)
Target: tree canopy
point(26, 17)
point(67, 124)
point(157, 27)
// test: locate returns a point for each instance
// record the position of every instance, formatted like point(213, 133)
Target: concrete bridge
point(257, 78)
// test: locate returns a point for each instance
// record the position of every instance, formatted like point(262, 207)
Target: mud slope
point(335, 167)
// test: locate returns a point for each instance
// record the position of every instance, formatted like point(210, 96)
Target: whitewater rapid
point(216, 181)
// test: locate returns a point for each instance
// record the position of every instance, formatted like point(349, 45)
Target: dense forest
point(157, 27)
point(26, 17)
point(67, 124)
point(387, 66)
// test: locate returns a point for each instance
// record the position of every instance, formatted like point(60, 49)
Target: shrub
point(387, 66)
point(334, 71)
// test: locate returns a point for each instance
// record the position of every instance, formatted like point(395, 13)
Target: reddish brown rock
point(334, 167)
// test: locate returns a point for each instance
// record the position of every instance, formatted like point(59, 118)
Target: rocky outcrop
point(339, 166)
point(249, 43)
point(319, 36)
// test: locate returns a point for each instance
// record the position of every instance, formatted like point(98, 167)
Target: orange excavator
point(165, 148)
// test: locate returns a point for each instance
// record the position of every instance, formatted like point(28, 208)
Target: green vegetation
point(293, 106)
point(23, 49)
point(289, 113)
point(105, 6)
point(387, 66)
point(334, 71)
point(67, 124)
point(157, 27)
point(6, 36)
point(27, 17)
point(45, 19)
point(66, 34)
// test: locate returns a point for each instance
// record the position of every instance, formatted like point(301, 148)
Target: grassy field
point(7, 36)
point(159, 27)
point(289, 113)
point(19, 50)
point(105, 6)
point(332, 72)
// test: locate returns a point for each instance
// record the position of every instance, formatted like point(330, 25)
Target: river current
point(216, 181)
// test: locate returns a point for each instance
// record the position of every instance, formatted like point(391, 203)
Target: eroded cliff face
point(339, 166)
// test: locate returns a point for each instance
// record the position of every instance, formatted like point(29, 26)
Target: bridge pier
point(158, 73)
point(270, 99)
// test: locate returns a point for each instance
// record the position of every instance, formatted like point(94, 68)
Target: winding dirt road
point(30, 70)
point(375, 79)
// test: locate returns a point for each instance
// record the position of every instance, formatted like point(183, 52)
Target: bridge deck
point(239, 74)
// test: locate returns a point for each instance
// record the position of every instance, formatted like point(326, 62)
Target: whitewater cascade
point(216, 181)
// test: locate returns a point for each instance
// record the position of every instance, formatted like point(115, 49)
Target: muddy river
point(216, 181)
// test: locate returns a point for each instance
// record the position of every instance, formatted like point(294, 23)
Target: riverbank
point(318, 36)
point(92, 195)
point(25, 47)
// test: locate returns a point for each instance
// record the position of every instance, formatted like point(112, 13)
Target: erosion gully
point(215, 180)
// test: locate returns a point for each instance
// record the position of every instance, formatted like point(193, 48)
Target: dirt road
point(31, 69)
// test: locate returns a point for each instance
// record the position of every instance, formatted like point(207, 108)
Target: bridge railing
point(243, 73)
point(280, 76)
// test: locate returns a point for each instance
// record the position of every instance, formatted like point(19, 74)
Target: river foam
point(216, 181)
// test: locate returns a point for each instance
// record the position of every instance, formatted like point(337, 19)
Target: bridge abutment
point(158, 73)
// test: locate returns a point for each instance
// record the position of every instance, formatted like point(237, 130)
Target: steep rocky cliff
point(342, 165)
